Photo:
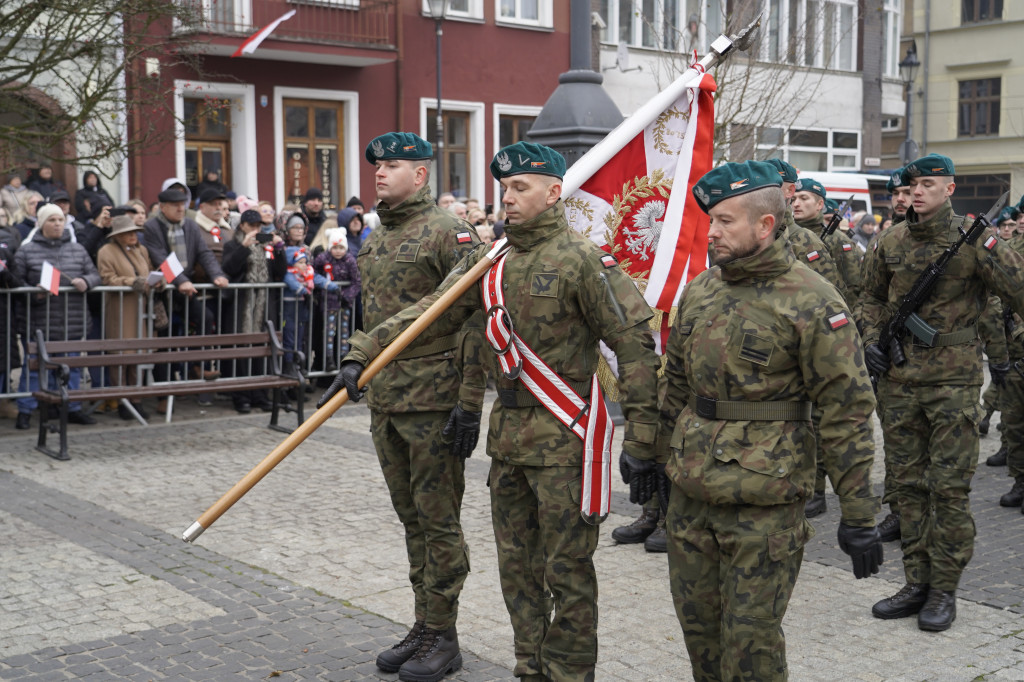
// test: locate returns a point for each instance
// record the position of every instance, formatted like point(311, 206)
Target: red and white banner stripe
point(590, 423)
point(171, 267)
point(49, 278)
point(253, 41)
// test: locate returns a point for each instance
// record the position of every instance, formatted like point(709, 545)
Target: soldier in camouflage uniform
point(929, 405)
point(425, 407)
point(758, 338)
point(1011, 401)
point(809, 212)
point(557, 286)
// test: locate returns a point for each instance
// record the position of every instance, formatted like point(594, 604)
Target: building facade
point(299, 111)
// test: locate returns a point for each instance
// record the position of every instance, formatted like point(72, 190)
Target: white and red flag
point(253, 41)
point(631, 193)
point(49, 278)
point(171, 267)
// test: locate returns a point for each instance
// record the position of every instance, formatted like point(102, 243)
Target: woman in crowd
point(90, 196)
point(124, 262)
point(252, 257)
point(11, 196)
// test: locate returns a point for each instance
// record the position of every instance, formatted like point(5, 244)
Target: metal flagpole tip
point(743, 40)
point(194, 531)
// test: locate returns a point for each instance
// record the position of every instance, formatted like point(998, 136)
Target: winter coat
point(10, 198)
point(119, 267)
point(8, 330)
point(92, 195)
point(66, 316)
point(342, 270)
point(154, 237)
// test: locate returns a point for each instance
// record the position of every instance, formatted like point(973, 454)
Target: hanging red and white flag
point(638, 205)
point(250, 45)
point(49, 278)
point(171, 267)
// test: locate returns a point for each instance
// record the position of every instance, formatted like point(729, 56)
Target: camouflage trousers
point(931, 438)
point(732, 569)
point(1012, 421)
point(545, 562)
point(819, 461)
point(426, 484)
point(889, 480)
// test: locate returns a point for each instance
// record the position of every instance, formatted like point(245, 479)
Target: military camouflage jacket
point(810, 250)
point(400, 262)
point(845, 254)
point(765, 328)
point(559, 305)
point(957, 302)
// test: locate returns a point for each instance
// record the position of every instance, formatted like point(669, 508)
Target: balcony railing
point(357, 23)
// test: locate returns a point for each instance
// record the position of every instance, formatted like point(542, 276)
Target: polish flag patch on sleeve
point(990, 243)
point(838, 320)
point(847, 247)
point(609, 261)
point(464, 237)
point(813, 256)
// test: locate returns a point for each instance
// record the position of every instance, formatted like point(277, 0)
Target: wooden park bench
point(194, 351)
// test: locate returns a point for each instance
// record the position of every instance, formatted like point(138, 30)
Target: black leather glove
point(664, 488)
point(348, 378)
point(864, 546)
point(466, 426)
point(999, 370)
point(641, 475)
point(877, 359)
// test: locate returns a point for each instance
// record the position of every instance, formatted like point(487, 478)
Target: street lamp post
point(438, 10)
point(908, 71)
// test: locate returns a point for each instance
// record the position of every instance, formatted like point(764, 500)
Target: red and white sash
point(518, 361)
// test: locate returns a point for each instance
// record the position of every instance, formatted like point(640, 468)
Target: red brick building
point(300, 110)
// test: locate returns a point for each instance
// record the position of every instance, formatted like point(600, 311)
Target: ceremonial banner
point(49, 278)
point(638, 205)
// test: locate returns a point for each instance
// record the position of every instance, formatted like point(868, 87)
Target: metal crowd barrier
point(211, 310)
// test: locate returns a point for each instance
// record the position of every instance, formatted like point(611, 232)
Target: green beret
point(733, 179)
point(408, 146)
point(1008, 213)
point(786, 171)
point(527, 157)
point(831, 205)
point(1020, 204)
point(895, 180)
point(812, 186)
point(933, 164)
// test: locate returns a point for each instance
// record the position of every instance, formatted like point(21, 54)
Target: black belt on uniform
point(511, 397)
point(741, 410)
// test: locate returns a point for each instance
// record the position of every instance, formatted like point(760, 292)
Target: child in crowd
point(299, 282)
point(337, 265)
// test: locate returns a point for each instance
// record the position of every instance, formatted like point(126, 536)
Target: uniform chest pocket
point(755, 341)
point(544, 284)
point(407, 252)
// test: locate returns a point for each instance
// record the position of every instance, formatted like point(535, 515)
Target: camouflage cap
point(527, 157)
point(407, 146)
point(812, 186)
point(895, 180)
point(786, 171)
point(933, 164)
point(733, 179)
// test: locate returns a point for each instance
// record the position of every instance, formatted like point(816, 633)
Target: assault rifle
point(837, 218)
point(906, 317)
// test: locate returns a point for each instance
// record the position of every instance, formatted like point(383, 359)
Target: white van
point(839, 187)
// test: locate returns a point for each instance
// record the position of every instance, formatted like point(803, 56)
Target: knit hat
point(245, 203)
point(46, 211)
point(313, 193)
point(295, 253)
point(354, 201)
point(250, 217)
point(337, 236)
point(733, 179)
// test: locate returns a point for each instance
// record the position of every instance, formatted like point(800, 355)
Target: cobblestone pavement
point(305, 577)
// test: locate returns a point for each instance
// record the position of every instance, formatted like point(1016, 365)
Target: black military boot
point(939, 611)
point(437, 656)
point(998, 459)
point(816, 506)
point(889, 528)
point(639, 530)
point(984, 423)
point(906, 602)
point(1015, 497)
point(391, 660)
point(657, 542)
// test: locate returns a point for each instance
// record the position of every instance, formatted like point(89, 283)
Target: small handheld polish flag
point(49, 279)
point(171, 268)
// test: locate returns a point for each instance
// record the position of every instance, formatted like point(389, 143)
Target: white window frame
point(817, 7)
point(830, 151)
point(893, 10)
point(340, 4)
point(243, 129)
point(475, 13)
point(477, 164)
point(500, 110)
point(350, 132)
point(545, 15)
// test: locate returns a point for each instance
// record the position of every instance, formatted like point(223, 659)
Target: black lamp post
point(438, 10)
point(908, 71)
